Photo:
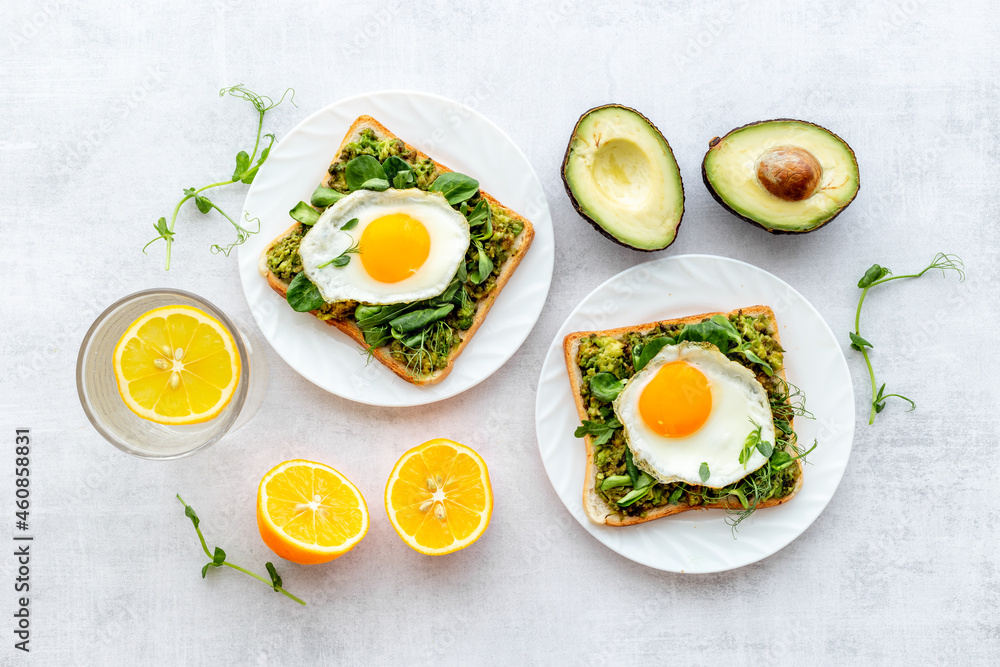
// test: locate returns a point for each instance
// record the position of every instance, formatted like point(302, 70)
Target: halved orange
point(308, 512)
point(176, 365)
point(438, 497)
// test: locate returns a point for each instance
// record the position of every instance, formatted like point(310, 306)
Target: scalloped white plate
point(452, 134)
point(684, 285)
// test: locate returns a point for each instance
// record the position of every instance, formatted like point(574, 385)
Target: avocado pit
point(789, 172)
point(786, 176)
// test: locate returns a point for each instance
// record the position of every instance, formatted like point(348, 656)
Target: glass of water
point(98, 389)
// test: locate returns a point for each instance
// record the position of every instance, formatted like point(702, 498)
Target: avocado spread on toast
point(426, 350)
point(617, 355)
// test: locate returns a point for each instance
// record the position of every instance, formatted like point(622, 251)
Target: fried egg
point(691, 405)
point(409, 246)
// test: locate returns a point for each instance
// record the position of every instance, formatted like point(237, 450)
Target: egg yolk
point(394, 247)
point(677, 401)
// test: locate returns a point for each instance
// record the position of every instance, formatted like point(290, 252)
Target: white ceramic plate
point(452, 134)
point(688, 285)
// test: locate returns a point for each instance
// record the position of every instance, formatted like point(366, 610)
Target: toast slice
point(597, 507)
point(502, 272)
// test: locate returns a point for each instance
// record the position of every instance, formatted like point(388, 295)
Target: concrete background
point(110, 110)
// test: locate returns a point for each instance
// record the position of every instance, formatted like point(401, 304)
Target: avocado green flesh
point(730, 169)
point(623, 177)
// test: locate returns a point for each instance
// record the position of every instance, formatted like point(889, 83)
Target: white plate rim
point(573, 500)
point(540, 259)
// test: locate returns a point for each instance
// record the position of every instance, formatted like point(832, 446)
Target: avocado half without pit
point(622, 177)
point(786, 176)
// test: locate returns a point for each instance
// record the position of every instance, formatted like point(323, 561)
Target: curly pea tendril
point(879, 275)
point(245, 171)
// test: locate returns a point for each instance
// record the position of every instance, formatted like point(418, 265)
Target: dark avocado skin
point(718, 198)
point(569, 191)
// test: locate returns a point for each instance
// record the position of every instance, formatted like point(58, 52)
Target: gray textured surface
point(109, 111)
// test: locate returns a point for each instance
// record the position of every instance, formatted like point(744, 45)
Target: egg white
point(449, 235)
point(737, 397)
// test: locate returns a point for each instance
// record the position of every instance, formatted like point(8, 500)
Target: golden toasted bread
point(506, 270)
point(594, 504)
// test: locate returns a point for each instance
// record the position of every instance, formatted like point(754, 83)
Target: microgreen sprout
point(879, 275)
point(245, 171)
point(218, 558)
point(344, 258)
point(755, 441)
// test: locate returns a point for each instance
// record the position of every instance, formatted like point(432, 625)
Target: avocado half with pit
point(622, 177)
point(786, 176)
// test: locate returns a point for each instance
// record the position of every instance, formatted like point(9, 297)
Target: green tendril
point(879, 275)
point(217, 558)
point(245, 171)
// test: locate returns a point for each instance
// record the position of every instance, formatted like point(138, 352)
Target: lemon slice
point(309, 513)
point(176, 365)
point(439, 498)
